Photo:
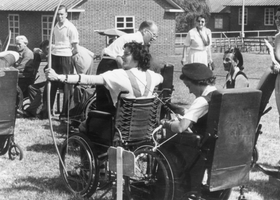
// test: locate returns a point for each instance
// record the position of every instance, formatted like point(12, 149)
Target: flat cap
point(196, 72)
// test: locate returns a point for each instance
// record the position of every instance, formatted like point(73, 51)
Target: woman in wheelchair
point(200, 81)
point(135, 76)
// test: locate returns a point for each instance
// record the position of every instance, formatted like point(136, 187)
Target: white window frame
point(269, 16)
point(125, 23)
point(218, 23)
point(14, 25)
point(46, 26)
point(240, 16)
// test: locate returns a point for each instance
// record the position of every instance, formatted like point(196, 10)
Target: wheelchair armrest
point(99, 114)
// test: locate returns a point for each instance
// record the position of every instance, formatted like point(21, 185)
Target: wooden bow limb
point(49, 89)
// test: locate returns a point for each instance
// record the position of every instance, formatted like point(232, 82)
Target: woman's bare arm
point(276, 66)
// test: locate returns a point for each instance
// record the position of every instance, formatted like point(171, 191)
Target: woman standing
point(233, 64)
point(197, 47)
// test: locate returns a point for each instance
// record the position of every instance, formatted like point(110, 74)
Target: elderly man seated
point(25, 63)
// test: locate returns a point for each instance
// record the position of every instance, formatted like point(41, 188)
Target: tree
point(185, 21)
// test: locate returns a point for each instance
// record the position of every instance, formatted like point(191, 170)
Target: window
point(125, 23)
point(46, 26)
point(269, 16)
point(218, 23)
point(245, 16)
point(14, 27)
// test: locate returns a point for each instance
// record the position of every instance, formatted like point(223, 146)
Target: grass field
point(36, 177)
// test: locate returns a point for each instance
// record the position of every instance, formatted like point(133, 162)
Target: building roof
point(253, 3)
point(174, 7)
point(35, 5)
point(216, 6)
point(50, 5)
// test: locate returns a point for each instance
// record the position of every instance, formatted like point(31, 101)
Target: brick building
point(226, 15)
point(258, 15)
point(33, 18)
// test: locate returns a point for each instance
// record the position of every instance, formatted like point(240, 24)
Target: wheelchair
point(224, 148)
point(86, 159)
point(8, 84)
point(267, 86)
point(87, 97)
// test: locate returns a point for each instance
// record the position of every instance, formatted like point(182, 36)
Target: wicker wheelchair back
point(134, 121)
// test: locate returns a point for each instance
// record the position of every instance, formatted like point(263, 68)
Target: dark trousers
point(62, 65)
point(103, 97)
point(37, 96)
point(190, 164)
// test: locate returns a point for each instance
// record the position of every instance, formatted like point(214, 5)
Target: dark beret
point(196, 72)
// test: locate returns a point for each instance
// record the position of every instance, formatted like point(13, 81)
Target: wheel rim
point(81, 177)
point(15, 151)
point(151, 180)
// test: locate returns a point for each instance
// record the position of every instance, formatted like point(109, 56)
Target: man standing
point(112, 58)
point(66, 41)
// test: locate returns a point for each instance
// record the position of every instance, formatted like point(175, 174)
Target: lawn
point(37, 175)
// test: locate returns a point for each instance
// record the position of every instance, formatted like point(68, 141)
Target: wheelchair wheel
point(81, 165)
point(107, 187)
point(151, 180)
point(15, 151)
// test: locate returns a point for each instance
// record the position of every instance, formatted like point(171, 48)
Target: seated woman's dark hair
point(139, 53)
point(237, 56)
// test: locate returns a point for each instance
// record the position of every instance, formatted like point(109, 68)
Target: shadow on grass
point(59, 127)
point(37, 184)
point(265, 188)
point(44, 148)
point(42, 185)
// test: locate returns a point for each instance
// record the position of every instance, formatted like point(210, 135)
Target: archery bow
point(49, 88)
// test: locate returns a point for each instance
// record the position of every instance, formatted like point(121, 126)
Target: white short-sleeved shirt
point(200, 106)
point(117, 81)
point(64, 36)
point(83, 60)
point(194, 41)
point(116, 48)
